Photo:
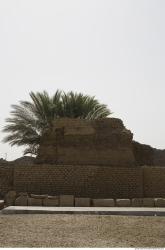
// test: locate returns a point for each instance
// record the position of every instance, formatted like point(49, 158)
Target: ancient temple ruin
point(95, 159)
point(87, 142)
point(103, 142)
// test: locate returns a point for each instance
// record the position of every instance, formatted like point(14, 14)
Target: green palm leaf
point(29, 120)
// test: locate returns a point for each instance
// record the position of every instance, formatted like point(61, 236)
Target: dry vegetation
point(81, 231)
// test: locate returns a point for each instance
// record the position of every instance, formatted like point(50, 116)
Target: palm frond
point(29, 120)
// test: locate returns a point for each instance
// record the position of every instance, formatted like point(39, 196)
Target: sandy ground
point(81, 231)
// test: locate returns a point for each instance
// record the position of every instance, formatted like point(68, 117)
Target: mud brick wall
point(82, 181)
point(6, 179)
point(148, 156)
point(154, 181)
point(87, 142)
point(159, 157)
point(144, 154)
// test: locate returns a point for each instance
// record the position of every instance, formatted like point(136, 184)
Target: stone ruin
point(87, 142)
point(24, 199)
point(95, 142)
point(147, 155)
point(87, 163)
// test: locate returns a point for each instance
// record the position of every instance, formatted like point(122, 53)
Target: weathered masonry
point(95, 142)
point(84, 181)
point(89, 158)
point(87, 142)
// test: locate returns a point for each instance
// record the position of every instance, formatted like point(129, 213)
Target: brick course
point(84, 181)
point(81, 181)
point(154, 181)
point(6, 179)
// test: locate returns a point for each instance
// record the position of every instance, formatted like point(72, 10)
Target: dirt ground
point(81, 231)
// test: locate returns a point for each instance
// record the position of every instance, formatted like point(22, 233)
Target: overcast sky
point(112, 49)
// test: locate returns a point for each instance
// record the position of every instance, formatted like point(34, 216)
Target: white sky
point(113, 49)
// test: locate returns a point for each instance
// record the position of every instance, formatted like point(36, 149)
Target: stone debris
point(21, 201)
point(103, 202)
point(10, 198)
point(159, 202)
point(137, 202)
point(51, 201)
point(34, 202)
point(82, 202)
point(66, 200)
point(123, 202)
point(23, 194)
point(2, 203)
point(148, 202)
point(39, 196)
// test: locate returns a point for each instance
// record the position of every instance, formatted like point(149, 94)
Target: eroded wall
point(87, 142)
point(146, 155)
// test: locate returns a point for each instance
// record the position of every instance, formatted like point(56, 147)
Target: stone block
point(66, 200)
point(160, 202)
point(2, 203)
point(123, 202)
point(103, 202)
point(21, 201)
point(137, 202)
point(148, 202)
point(23, 194)
point(34, 202)
point(82, 202)
point(10, 198)
point(51, 201)
point(39, 196)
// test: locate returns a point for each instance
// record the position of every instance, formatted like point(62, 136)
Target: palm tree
point(29, 120)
